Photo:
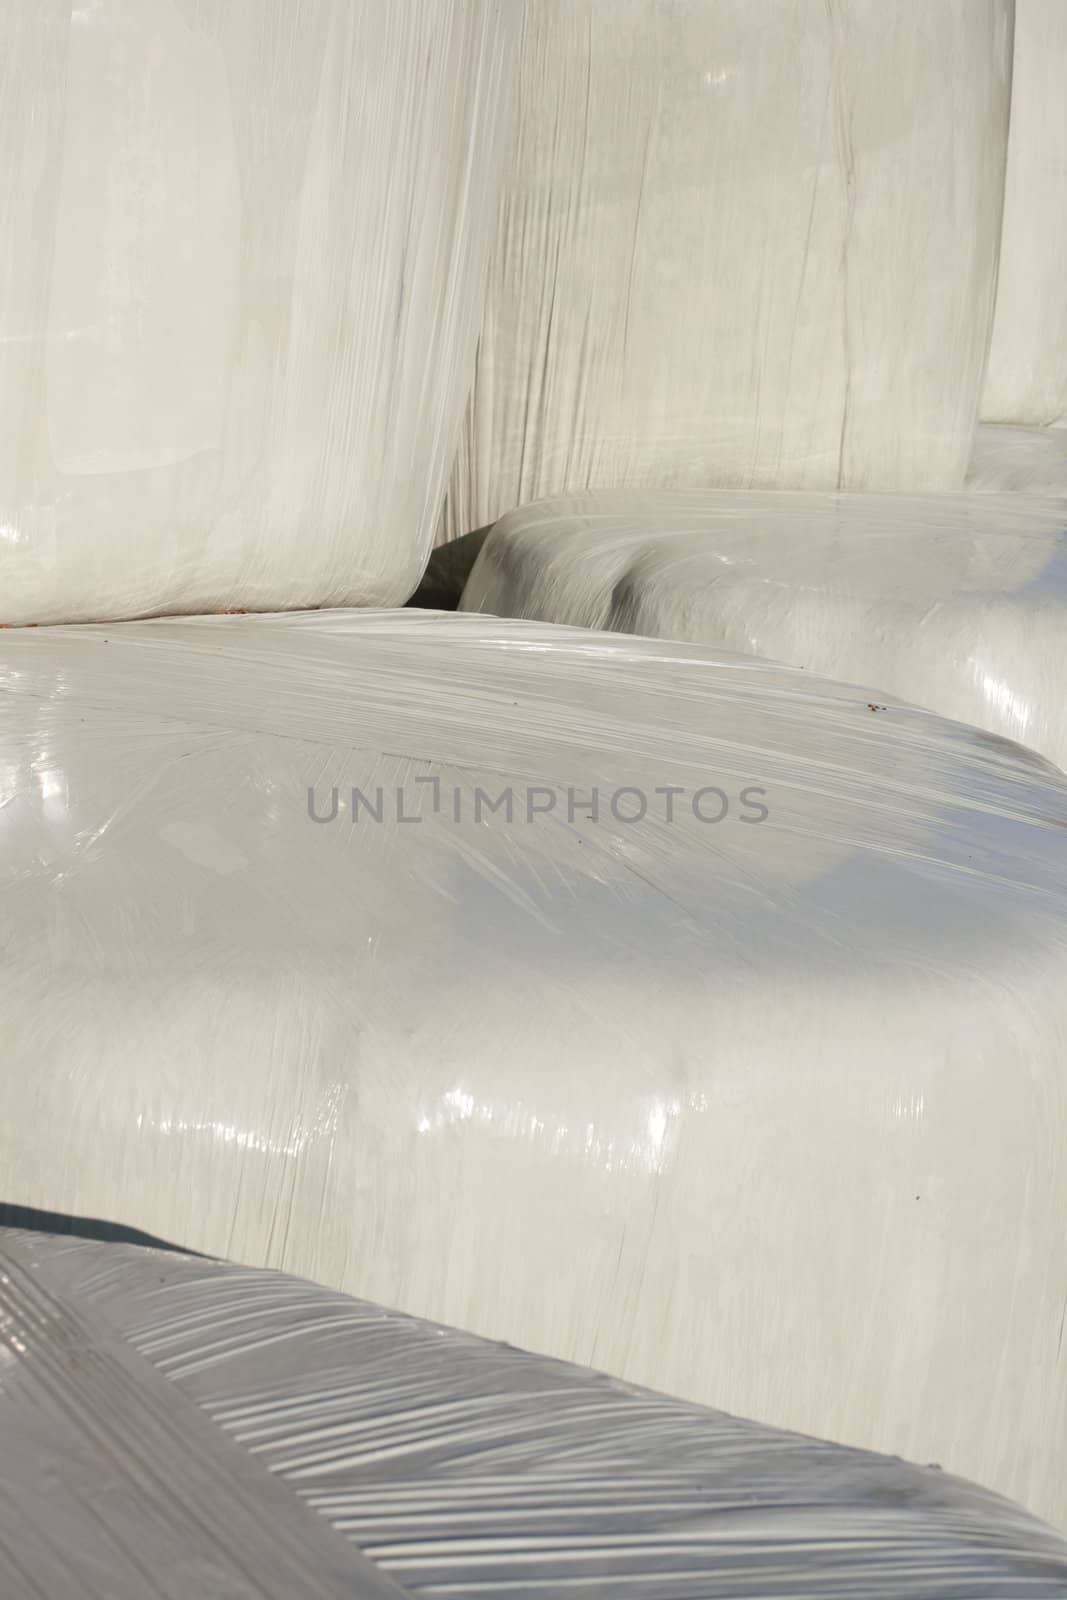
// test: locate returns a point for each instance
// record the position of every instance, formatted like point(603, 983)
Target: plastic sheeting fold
point(243, 247)
point(717, 1088)
point(742, 243)
point(955, 602)
point(110, 1487)
point(1026, 381)
point(294, 1419)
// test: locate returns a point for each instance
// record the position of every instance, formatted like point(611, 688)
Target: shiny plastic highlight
point(716, 1102)
point(254, 1429)
point(955, 602)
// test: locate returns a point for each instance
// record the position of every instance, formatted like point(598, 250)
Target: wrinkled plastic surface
point(112, 1486)
point(1025, 460)
point(243, 248)
point(1027, 376)
point(285, 1416)
point(956, 602)
point(721, 1106)
point(752, 242)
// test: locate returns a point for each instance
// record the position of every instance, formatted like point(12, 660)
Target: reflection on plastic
point(955, 602)
point(113, 1486)
point(455, 1466)
point(747, 1100)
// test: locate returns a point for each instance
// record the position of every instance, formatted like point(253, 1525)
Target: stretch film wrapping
point(742, 242)
point(956, 602)
point(243, 247)
point(220, 1430)
point(1026, 460)
point(1027, 377)
point(726, 1054)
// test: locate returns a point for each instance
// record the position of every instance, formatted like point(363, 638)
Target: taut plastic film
point(1027, 377)
point(678, 1013)
point(741, 243)
point(243, 259)
point(215, 1429)
point(956, 602)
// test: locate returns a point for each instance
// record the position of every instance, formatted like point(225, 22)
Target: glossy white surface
point(744, 242)
point(956, 602)
point(1025, 460)
point(448, 1465)
point(771, 1115)
point(1027, 376)
point(242, 259)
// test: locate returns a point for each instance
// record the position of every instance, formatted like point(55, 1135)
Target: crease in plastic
point(243, 263)
point(744, 244)
point(748, 1095)
point(458, 1466)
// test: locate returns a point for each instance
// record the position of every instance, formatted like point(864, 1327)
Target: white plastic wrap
point(1026, 460)
point(769, 1113)
point(259, 1436)
point(956, 602)
point(243, 247)
point(744, 242)
point(1027, 377)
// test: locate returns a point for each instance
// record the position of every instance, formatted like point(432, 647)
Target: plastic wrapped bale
point(1026, 380)
point(742, 242)
point(955, 602)
point(670, 1011)
point(1026, 460)
point(192, 1428)
point(244, 257)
